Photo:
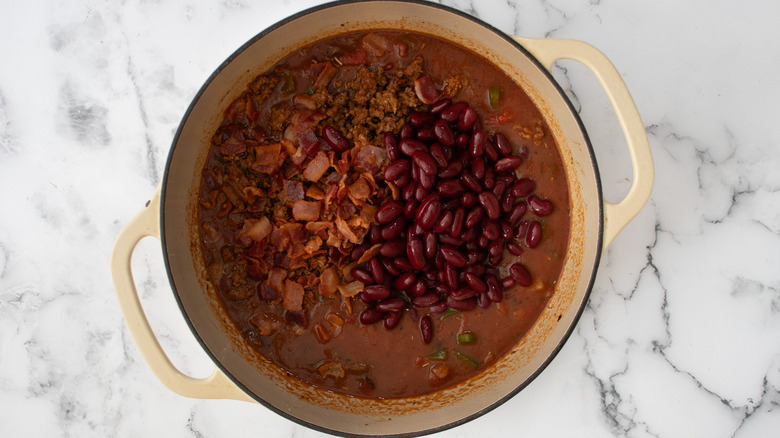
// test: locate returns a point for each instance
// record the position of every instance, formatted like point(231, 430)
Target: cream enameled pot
point(244, 375)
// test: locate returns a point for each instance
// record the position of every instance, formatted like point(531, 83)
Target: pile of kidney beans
point(462, 205)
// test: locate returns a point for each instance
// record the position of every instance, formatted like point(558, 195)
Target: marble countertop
point(681, 337)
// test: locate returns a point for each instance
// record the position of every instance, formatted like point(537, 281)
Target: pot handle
point(146, 223)
point(617, 215)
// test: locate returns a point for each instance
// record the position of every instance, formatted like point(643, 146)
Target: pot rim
point(592, 275)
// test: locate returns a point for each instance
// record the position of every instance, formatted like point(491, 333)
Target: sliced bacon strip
point(292, 299)
point(329, 281)
point(316, 167)
point(306, 210)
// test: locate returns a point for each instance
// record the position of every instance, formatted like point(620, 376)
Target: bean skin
point(514, 249)
point(462, 140)
point(409, 146)
point(491, 230)
point(362, 276)
point(490, 151)
point(464, 305)
point(438, 154)
point(444, 223)
point(428, 180)
point(468, 200)
point(478, 168)
point(428, 214)
point(439, 307)
point(418, 288)
point(517, 213)
point(425, 162)
point(392, 319)
point(457, 222)
point(410, 209)
point(453, 256)
point(451, 276)
point(425, 300)
point(334, 138)
point(471, 182)
point(421, 118)
point(390, 305)
point(453, 169)
point(431, 243)
point(452, 113)
point(376, 269)
point(404, 281)
point(391, 146)
point(523, 187)
point(495, 291)
point(474, 217)
point(395, 170)
point(507, 164)
point(392, 248)
point(467, 119)
point(394, 228)
point(462, 293)
point(439, 106)
point(407, 131)
point(451, 188)
point(507, 282)
point(477, 143)
point(502, 144)
point(403, 264)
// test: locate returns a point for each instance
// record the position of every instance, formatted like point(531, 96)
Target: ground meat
point(263, 86)
point(280, 116)
point(454, 84)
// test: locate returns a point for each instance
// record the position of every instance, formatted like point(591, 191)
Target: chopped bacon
point(232, 146)
point(306, 210)
point(325, 75)
point(293, 191)
point(276, 277)
point(351, 289)
point(369, 158)
point(331, 369)
point(329, 281)
point(255, 230)
point(375, 44)
point(266, 324)
point(318, 228)
point(292, 298)
point(268, 158)
point(316, 167)
point(345, 231)
point(331, 191)
point(359, 191)
point(313, 245)
point(357, 57)
point(304, 101)
point(369, 254)
point(315, 193)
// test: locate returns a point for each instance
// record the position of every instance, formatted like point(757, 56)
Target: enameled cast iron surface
point(321, 409)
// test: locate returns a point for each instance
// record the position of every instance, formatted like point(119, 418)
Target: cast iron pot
point(243, 374)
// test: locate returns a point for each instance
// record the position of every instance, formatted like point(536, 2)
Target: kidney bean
point(521, 230)
point(462, 140)
point(450, 204)
point(370, 316)
point(523, 187)
point(395, 170)
point(463, 305)
point(446, 239)
point(457, 222)
point(421, 118)
point(416, 253)
point(490, 151)
point(362, 276)
point(476, 269)
point(489, 181)
point(374, 234)
point(514, 249)
point(415, 172)
point(426, 134)
point(502, 144)
point(439, 262)
point(453, 256)
point(495, 291)
point(483, 241)
point(440, 105)
point(390, 267)
point(443, 133)
point(468, 117)
point(439, 307)
point(507, 202)
point(428, 180)
point(391, 146)
point(392, 248)
point(418, 288)
point(507, 282)
point(431, 275)
point(507, 164)
point(472, 258)
point(394, 304)
point(403, 264)
point(358, 251)
point(490, 203)
point(437, 152)
point(477, 143)
point(540, 207)
point(431, 243)
point(498, 189)
point(394, 228)
point(478, 167)
point(428, 214)
point(496, 259)
point(409, 146)
point(421, 192)
point(425, 162)
point(520, 274)
point(483, 301)
point(444, 222)
point(451, 188)
point(409, 192)
point(471, 182)
point(462, 293)
point(534, 235)
point(506, 230)
point(404, 281)
point(517, 213)
point(451, 276)
point(453, 169)
point(426, 329)
point(425, 300)
point(407, 131)
point(496, 248)
point(410, 208)
point(491, 230)
point(475, 282)
point(376, 269)
point(392, 319)
point(334, 138)
point(469, 199)
point(474, 216)
point(376, 292)
point(452, 112)
point(388, 211)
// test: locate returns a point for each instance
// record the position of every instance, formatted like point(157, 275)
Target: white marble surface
point(682, 334)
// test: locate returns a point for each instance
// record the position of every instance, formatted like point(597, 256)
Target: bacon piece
point(359, 191)
point(329, 281)
point(325, 75)
point(293, 191)
point(316, 167)
point(351, 289)
point(232, 146)
point(268, 158)
point(315, 193)
point(276, 277)
point(306, 210)
point(292, 299)
point(346, 232)
point(255, 230)
point(375, 44)
point(266, 324)
point(369, 158)
point(318, 228)
point(357, 57)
